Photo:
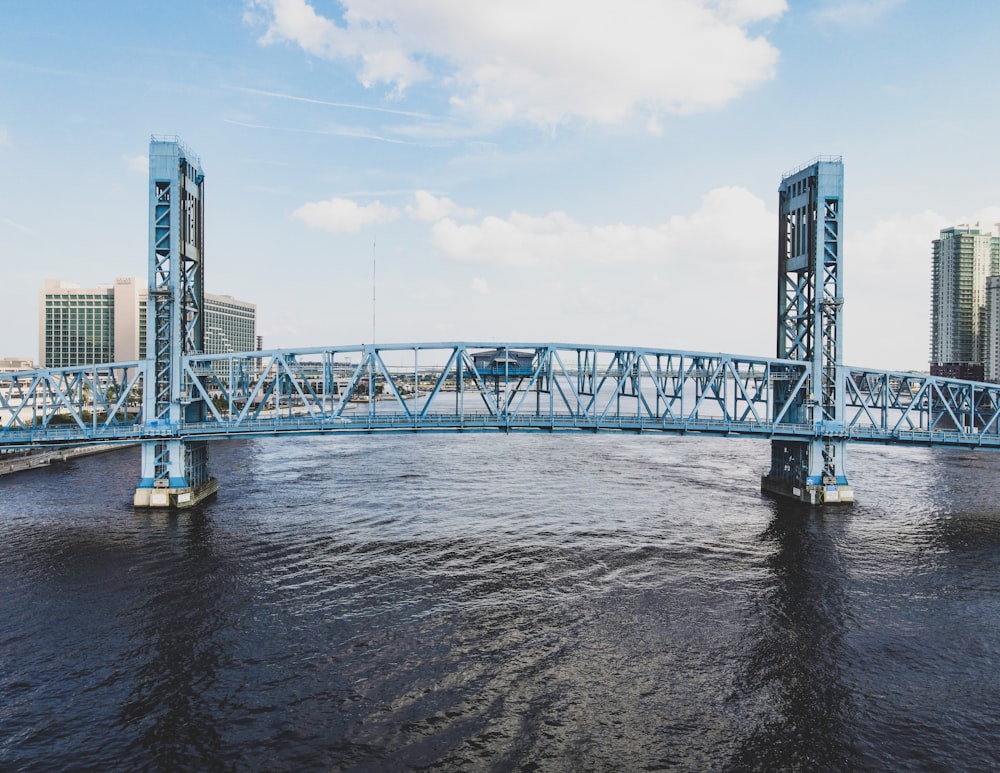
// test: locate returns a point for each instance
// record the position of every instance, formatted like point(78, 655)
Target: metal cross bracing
point(921, 409)
point(175, 326)
point(463, 387)
point(810, 303)
point(59, 405)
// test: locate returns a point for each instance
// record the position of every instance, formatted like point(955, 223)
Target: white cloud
point(887, 291)
point(730, 224)
point(364, 37)
point(4, 135)
point(338, 215)
point(430, 208)
point(703, 280)
point(987, 219)
point(137, 164)
point(544, 62)
point(746, 11)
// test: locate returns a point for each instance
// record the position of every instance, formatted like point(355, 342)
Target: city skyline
point(614, 181)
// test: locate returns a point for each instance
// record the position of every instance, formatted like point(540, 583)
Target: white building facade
point(83, 326)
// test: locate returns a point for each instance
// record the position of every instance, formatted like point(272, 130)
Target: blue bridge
point(804, 400)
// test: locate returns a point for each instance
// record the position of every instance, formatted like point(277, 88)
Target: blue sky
point(532, 170)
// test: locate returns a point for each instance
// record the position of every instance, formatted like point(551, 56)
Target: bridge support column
point(174, 474)
point(174, 471)
point(810, 304)
point(810, 471)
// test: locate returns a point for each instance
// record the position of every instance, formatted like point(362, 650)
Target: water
point(462, 602)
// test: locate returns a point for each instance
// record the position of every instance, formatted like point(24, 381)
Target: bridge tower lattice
point(174, 471)
point(810, 306)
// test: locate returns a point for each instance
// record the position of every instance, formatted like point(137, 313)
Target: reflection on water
point(794, 651)
point(502, 603)
point(176, 639)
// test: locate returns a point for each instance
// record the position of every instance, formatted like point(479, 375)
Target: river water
point(490, 602)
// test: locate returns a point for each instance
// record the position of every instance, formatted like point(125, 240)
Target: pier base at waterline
point(808, 471)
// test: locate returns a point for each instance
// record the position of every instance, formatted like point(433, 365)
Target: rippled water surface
point(502, 603)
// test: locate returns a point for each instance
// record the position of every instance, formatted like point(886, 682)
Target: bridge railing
point(481, 421)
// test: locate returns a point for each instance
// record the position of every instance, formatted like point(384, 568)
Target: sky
point(533, 170)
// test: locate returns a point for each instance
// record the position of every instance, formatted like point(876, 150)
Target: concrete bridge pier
point(174, 474)
point(810, 471)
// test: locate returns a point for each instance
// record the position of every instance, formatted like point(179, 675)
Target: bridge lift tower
point(174, 472)
point(810, 305)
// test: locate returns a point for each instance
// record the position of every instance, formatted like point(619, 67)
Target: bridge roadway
point(490, 387)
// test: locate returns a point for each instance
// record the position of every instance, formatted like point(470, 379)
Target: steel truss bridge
point(489, 387)
point(804, 400)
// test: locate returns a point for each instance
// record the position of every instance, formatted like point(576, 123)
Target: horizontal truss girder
point(438, 387)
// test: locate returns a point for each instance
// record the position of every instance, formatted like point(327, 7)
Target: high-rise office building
point(82, 326)
point(230, 325)
point(963, 258)
point(991, 363)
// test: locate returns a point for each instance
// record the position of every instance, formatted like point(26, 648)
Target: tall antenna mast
point(373, 291)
